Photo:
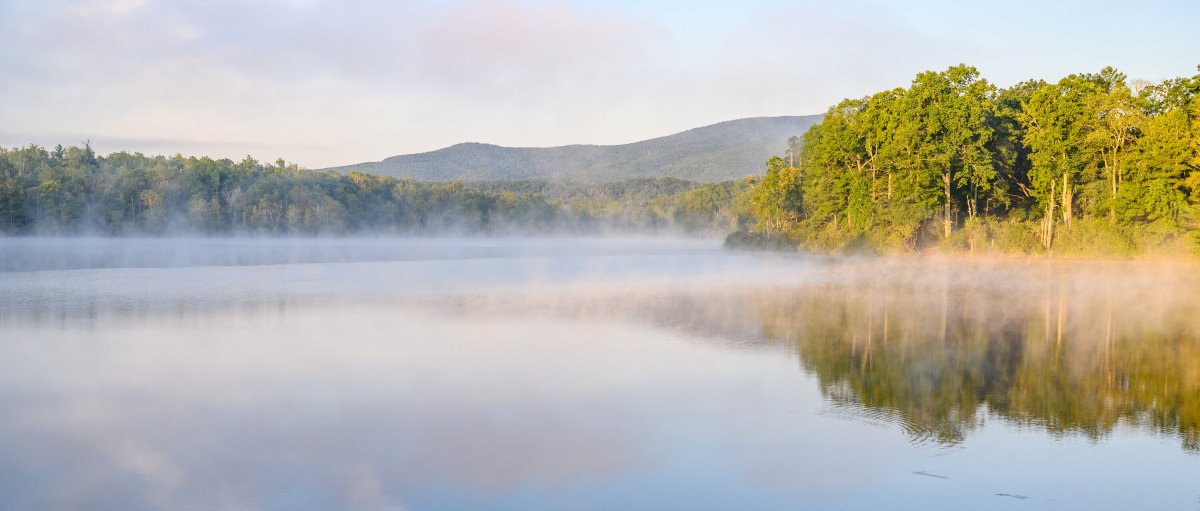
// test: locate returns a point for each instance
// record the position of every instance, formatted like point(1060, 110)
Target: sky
point(325, 83)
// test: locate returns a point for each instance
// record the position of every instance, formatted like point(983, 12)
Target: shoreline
point(938, 253)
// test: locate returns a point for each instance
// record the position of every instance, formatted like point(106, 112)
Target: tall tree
point(1117, 118)
point(947, 120)
point(1058, 120)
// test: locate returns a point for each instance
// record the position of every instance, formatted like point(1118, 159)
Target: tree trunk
point(1067, 200)
point(946, 182)
point(1048, 232)
point(1112, 210)
point(973, 204)
point(873, 187)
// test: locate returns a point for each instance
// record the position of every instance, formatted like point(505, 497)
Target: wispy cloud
point(366, 79)
point(308, 73)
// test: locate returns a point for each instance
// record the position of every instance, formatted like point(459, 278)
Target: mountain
point(719, 152)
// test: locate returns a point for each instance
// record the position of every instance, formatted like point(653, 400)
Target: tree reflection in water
point(1061, 352)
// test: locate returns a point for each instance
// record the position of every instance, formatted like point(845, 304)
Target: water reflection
point(1075, 356)
point(677, 379)
point(936, 347)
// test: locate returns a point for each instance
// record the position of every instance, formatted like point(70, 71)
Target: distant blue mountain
point(720, 152)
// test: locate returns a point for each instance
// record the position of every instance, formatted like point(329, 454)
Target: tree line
point(73, 190)
point(1094, 163)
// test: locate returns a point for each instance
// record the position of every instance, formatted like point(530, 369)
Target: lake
point(552, 374)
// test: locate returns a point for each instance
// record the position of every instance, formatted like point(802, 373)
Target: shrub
point(1091, 237)
point(1017, 237)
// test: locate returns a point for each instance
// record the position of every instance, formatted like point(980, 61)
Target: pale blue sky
point(332, 82)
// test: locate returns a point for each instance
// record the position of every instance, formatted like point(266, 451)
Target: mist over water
point(588, 374)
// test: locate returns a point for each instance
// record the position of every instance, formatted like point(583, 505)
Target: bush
point(746, 240)
point(1017, 237)
point(1094, 237)
point(974, 237)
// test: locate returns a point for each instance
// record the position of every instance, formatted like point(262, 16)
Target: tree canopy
point(72, 190)
point(1094, 163)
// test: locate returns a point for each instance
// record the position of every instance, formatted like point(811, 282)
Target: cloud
point(339, 82)
point(504, 42)
point(303, 74)
point(355, 40)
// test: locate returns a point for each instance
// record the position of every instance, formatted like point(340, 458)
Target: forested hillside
point(1090, 165)
point(72, 191)
point(724, 151)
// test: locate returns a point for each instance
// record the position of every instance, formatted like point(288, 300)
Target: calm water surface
point(586, 374)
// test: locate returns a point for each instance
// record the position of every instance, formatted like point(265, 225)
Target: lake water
point(588, 374)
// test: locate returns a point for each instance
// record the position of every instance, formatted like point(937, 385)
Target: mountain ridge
point(716, 152)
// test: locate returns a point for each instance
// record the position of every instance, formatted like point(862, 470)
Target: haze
point(957, 292)
point(327, 83)
point(587, 374)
